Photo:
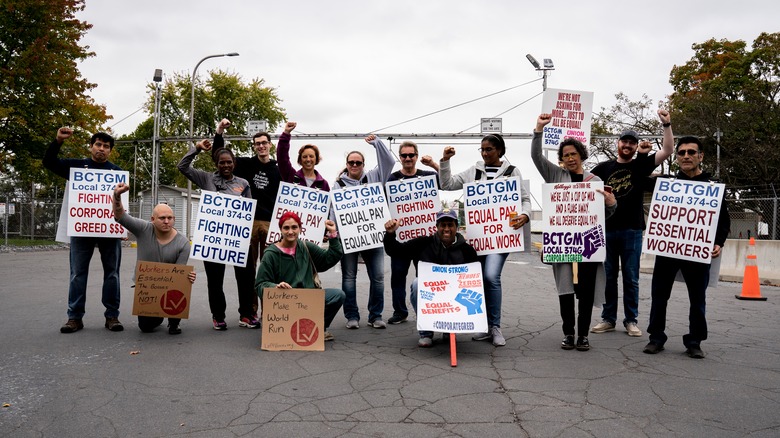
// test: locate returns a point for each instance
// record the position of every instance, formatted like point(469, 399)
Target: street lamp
point(544, 68)
point(192, 132)
point(155, 135)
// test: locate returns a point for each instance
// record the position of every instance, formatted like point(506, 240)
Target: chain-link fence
point(22, 217)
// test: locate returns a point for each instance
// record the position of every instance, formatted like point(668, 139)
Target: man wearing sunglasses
point(399, 265)
point(696, 275)
point(626, 175)
point(263, 175)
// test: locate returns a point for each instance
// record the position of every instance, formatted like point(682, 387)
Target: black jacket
point(430, 249)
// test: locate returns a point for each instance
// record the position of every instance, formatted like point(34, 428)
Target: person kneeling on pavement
point(289, 264)
point(446, 247)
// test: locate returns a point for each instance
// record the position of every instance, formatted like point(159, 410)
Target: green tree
point(221, 95)
point(729, 89)
point(640, 115)
point(41, 87)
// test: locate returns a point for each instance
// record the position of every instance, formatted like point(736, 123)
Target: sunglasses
point(684, 152)
point(355, 163)
point(407, 155)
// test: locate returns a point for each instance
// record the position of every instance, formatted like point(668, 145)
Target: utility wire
point(502, 113)
point(126, 117)
point(455, 106)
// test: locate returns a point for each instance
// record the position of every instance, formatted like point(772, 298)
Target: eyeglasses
point(486, 150)
point(355, 163)
point(571, 154)
point(407, 155)
point(262, 143)
point(683, 152)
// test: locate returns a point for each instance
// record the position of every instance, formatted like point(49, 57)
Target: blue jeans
point(624, 248)
point(334, 299)
point(413, 299)
point(81, 250)
point(399, 269)
point(492, 265)
point(374, 259)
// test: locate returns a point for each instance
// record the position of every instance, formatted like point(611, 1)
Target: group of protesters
point(292, 262)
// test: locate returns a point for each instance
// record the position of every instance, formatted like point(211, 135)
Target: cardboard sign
point(683, 219)
point(311, 205)
point(361, 212)
point(414, 202)
point(293, 319)
point(451, 298)
point(90, 208)
point(573, 222)
point(223, 228)
point(488, 205)
point(572, 112)
point(162, 290)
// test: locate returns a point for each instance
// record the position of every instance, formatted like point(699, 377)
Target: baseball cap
point(630, 133)
point(447, 214)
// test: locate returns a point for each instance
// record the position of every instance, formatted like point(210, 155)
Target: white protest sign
point(488, 205)
point(414, 202)
point(361, 213)
point(223, 228)
point(573, 222)
point(90, 202)
point(311, 205)
point(571, 111)
point(451, 298)
point(683, 219)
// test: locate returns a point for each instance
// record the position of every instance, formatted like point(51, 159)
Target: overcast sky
point(357, 66)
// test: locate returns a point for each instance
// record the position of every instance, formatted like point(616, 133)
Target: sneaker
point(353, 324)
point(174, 329)
point(498, 337)
point(73, 325)
point(328, 336)
point(377, 324)
point(633, 330)
point(114, 325)
point(425, 342)
point(583, 344)
point(695, 352)
point(219, 325)
point(568, 342)
point(603, 327)
point(251, 323)
point(482, 337)
point(651, 348)
point(396, 319)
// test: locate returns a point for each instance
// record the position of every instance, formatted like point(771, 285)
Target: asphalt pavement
point(377, 383)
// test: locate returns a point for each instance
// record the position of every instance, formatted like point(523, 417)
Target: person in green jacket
point(287, 264)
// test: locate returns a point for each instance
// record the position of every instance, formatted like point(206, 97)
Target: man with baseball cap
point(625, 176)
point(446, 247)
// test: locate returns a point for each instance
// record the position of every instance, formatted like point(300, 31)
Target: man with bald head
point(158, 241)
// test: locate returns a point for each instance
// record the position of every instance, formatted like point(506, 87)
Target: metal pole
point(192, 134)
point(5, 219)
point(717, 165)
point(156, 147)
point(32, 211)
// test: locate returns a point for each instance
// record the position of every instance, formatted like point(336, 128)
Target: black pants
point(149, 323)
point(245, 280)
point(697, 278)
point(584, 290)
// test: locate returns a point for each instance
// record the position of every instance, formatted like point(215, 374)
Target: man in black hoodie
point(696, 275)
point(446, 247)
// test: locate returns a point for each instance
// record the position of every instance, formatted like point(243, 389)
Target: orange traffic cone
point(751, 286)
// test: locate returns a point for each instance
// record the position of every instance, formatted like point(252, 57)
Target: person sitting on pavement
point(289, 264)
point(589, 288)
point(158, 241)
point(446, 247)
